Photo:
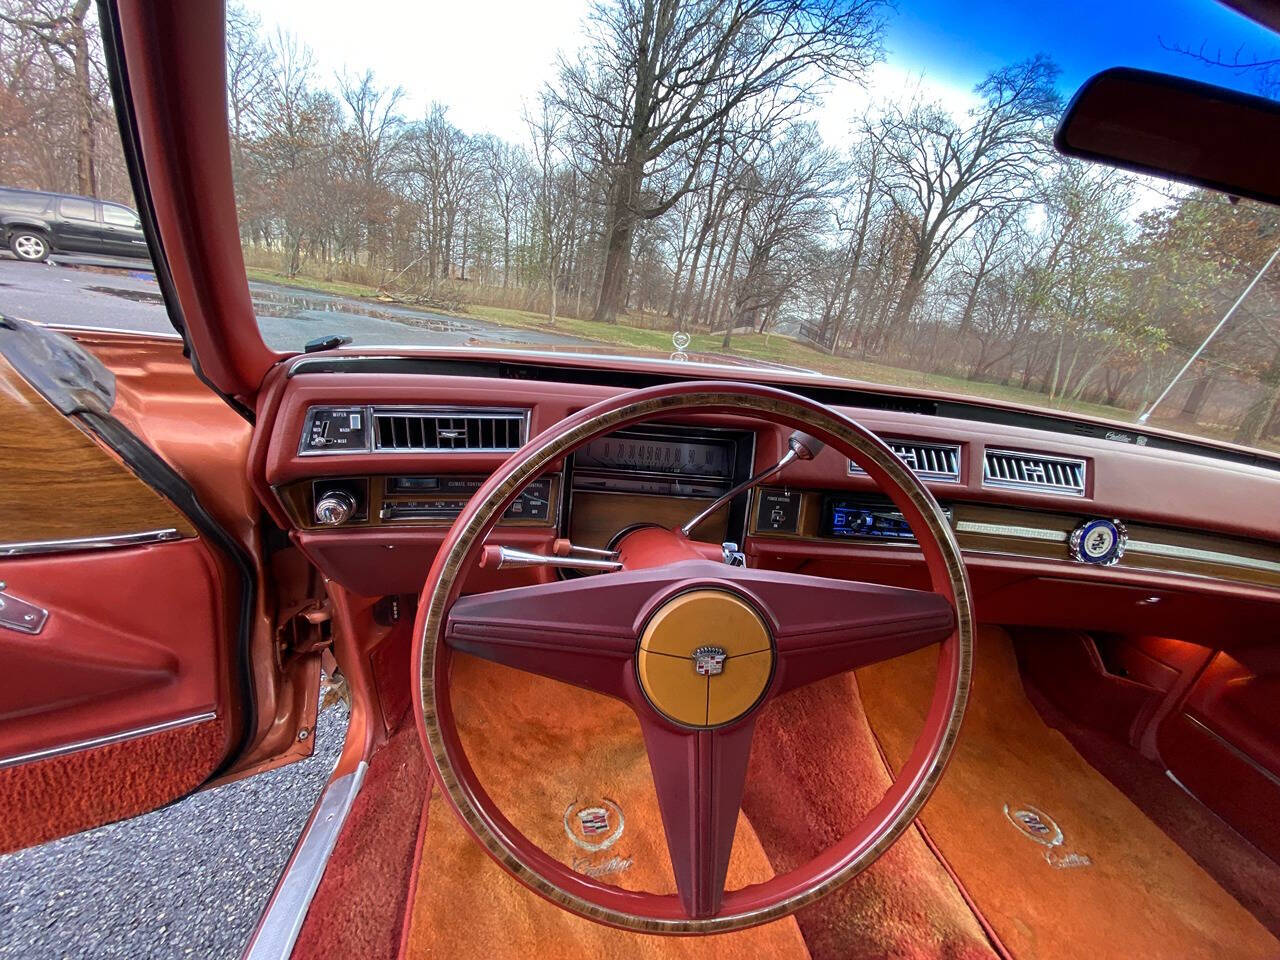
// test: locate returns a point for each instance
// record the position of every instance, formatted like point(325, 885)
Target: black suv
point(34, 224)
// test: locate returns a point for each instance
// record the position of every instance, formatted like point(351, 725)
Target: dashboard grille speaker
point(434, 430)
point(1033, 471)
point(929, 461)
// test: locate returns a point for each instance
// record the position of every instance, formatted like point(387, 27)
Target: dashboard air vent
point(1033, 471)
point(477, 430)
point(929, 461)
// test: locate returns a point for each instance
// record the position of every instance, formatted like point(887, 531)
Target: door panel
point(124, 699)
point(1224, 742)
point(116, 651)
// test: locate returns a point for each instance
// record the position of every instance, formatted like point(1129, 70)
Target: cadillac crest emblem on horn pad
point(726, 641)
point(709, 661)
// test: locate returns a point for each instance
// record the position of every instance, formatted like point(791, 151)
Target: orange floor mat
point(1112, 884)
point(541, 747)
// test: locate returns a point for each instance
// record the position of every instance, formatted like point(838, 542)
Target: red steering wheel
point(696, 647)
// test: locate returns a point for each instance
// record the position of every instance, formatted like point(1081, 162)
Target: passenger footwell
point(1058, 860)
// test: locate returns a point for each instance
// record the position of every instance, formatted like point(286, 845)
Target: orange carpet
point(1114, 885)
point(539, 747)
point(815, 772)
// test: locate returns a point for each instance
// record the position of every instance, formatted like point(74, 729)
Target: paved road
point(130, 300)
point(187, 881)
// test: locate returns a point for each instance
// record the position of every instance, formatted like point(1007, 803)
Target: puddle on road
point(138, 296)
point(300, 306)
point(303, 306)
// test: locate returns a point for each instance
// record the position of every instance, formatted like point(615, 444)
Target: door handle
point(20, 615)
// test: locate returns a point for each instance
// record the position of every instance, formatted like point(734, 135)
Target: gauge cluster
point(664, 461)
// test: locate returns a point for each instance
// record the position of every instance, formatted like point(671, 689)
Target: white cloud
point(485, 59)
point(886, 82)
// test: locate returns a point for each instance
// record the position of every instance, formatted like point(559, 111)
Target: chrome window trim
point(111, 542)
point(105, 740)
point(517, 355)
point(280, 925)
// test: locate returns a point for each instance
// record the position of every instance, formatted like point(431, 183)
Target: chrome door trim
point(103, 741)
point(112, 542)
point(279, 927)
point(1231, 748)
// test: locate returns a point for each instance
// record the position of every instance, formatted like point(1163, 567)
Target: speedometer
point(644, 453)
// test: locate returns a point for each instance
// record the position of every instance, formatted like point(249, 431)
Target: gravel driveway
point(189, 880)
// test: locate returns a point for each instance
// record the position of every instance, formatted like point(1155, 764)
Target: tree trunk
point(621, 230)
point(1263, 411)
point(733, 268)
point(1196, 398)
point(86, 171)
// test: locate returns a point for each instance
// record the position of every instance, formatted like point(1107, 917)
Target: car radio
point(865, 518)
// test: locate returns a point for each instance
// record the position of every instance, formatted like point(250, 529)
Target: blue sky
point(958, 42)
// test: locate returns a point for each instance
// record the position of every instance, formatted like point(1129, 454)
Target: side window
point(23, 202)
point(75, 209)
point(119, 216)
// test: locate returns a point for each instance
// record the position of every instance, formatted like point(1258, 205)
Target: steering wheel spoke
point(823, 627)
point(578, 631)
point(699, 776)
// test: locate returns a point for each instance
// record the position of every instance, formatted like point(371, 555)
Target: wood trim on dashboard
point(598, 516)
point(1011, 532)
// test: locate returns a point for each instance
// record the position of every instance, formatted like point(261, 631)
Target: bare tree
point(946, 177)
point(659, 76)
point(376, 141)
point(61, 31)
point(507, 170)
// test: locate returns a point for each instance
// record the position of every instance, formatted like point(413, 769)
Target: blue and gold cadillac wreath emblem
point(1100, 542)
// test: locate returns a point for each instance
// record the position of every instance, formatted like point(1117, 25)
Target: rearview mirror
point(1177, 129)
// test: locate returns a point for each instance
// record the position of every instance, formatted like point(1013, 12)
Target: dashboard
point(366, 468)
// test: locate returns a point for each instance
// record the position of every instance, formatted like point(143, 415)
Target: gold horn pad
point(705, 658)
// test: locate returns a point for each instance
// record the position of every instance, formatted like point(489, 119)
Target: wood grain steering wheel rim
point(709, 909)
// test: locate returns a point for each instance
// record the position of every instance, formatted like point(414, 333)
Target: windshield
point(842, 186)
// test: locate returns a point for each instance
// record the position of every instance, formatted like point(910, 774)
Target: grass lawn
point(338, 288)
point(780, 349)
